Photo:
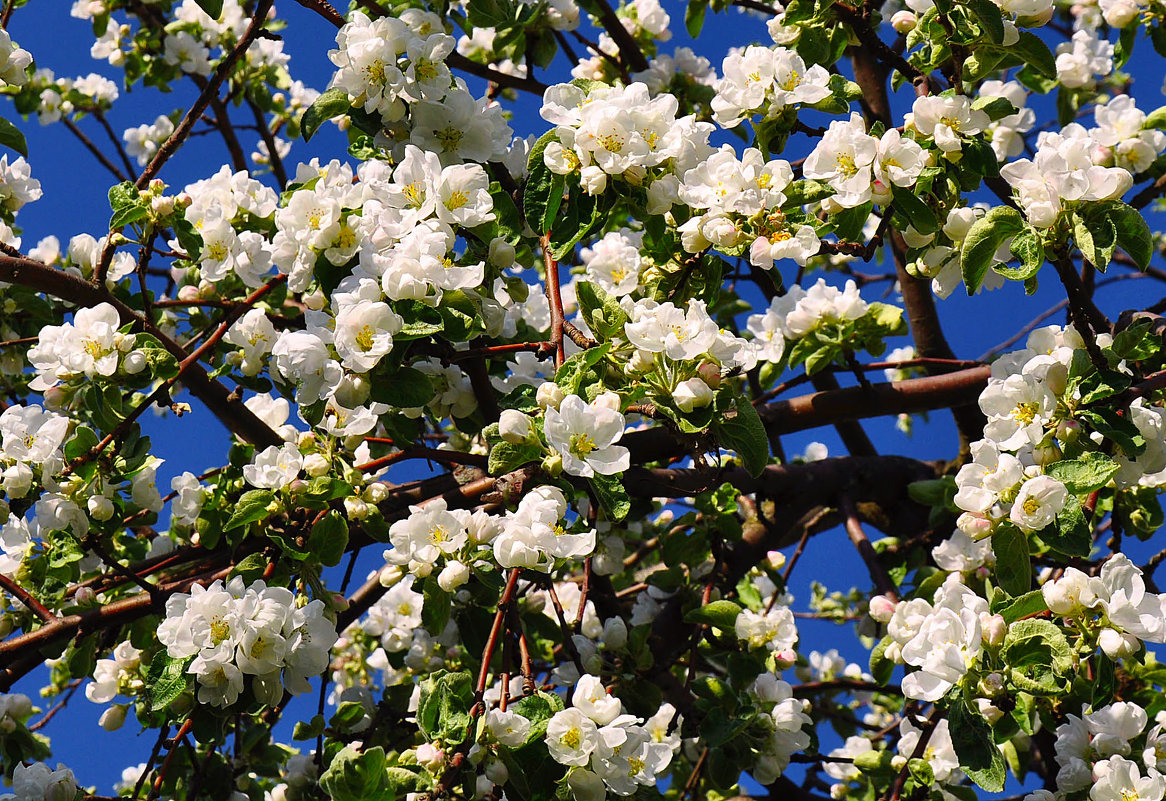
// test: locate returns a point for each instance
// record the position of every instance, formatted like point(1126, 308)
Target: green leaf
point(882, 668)
point(1013, 568)
point(1038, 656)
point(127, 204)
point(443, 711)
point(407, 388)
point(1070, 534)
point(1088, 472)
point(253, 505)
point(1096, 237)
point(799, 193)
point(327, 106)
point(328, 538)
point(1027, 247)
point(978, 755)
point(507, 456)
point(918, 213)
point(991, 20)
point(694, 16)
point(543, 191)
point(436, 606)
point(1133, 234)
point(1031, 603)
point(358, 775)
point(166, 679)
point(13, 137)
point(213, 8)
point(604, 316)
point(612, 496)
point(1036, 54)
point(743, 432)
point(250, 568)
point(984, 238)
point(583, 214)
point(996, 108)
point(572, 372)
point(722, 614)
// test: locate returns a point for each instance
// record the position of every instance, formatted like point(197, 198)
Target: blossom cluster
point(226, 633)
point(602, 744)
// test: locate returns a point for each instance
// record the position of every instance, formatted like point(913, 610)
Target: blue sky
point(75, 202)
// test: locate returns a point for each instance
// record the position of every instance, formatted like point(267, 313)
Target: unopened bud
point(514, 426)
point(904, 21)
point(882, 608)
point(113, 718)
point(1118, 644)
point(549, 395)
point(316, 465)
point(994, 628)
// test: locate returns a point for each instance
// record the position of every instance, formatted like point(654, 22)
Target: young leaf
point(722, 614)
point(1013, 568)
point(743, 431)
point(984, 238)
point(328, 106)
point(978, 755)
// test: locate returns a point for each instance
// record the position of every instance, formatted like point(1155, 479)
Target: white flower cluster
point(1083, 59)
point(787, 717)
point(14, 61)
point(620, 130)
point(1077, 164)
point(603, 746)
point(234, 631)
point(945, 120)
point(142, 142)
point(763, 79)
point(1116, 603)
point(942, 638)
point(728, 191)
point(860, 168)
point(799, 312)
point(396, 66)
point(1093, 753)
point(1026, 421)
point(773, 629)
point(39, 782)
point(219, 209)
point(30, 441)
point(90, 347)
point(113, 677)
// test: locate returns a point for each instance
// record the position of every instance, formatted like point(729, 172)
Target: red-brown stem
point(25, 597)
point(555, 299)
point(182, 732)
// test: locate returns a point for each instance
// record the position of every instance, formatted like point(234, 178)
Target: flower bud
point(420, 569)
point(430, 756)
point(497, 772)
point(85, 596)
point(882, 608)
point(692, 394)
point(514, 426)
point(586, 786)
point(775, 560)
point(315, 299)
point(390, 575)
point(785, 658)
point(549, 395)
point(453, 575)
point(1118, 644)
point(501, 253)
point(608, 400)
point(991, 685)
point(989, 711)
point(640, 362)
point(615, 633)
point(112, 718)
point(316, 465)
point(355, 508)
point(710, 374)
point(904, 21)
point(974, 526)
point(482, 787)
point(376, 492)
point(993, 628)
point(593, 180)
point(100, 508)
